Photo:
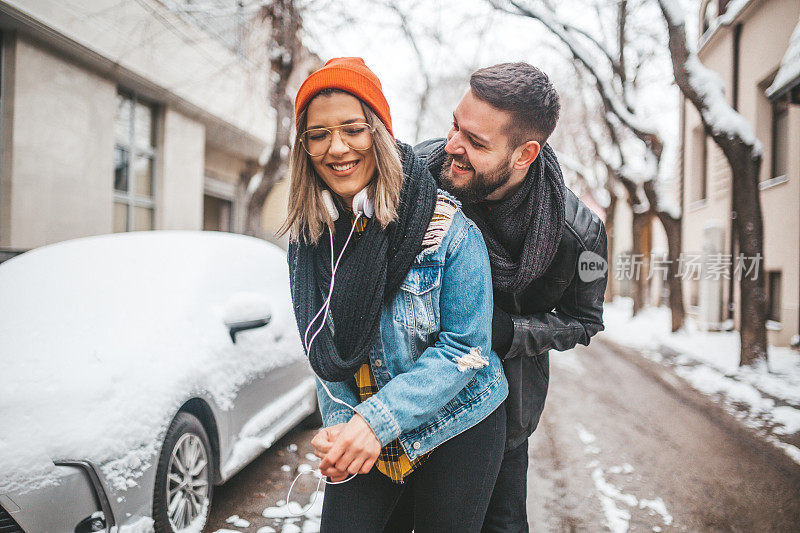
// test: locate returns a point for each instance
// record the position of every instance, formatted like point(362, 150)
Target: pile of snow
point(235, 520)
point(764, 397)
point(103, 338)
point(289, 514)
point(143, 525)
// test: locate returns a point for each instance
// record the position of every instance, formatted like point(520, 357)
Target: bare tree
point(614, 80)
point(610, 223)
point(640, 206)
point(418, 21)
point(735, 137)
point(577, 150)
point(285, 48)
point(422, 64)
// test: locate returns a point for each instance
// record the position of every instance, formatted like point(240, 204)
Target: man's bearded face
point(479, 158)
point(470, 185)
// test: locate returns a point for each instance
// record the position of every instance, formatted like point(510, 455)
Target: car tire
point(184, 477)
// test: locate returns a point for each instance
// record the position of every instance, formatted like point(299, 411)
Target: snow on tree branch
point(790, 65)
point(702, 86)
point(565, 35)
point(732, 11)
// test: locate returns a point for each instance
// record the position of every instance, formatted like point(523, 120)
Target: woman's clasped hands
point(346, 449)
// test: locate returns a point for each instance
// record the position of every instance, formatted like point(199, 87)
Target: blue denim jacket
point(431, 388)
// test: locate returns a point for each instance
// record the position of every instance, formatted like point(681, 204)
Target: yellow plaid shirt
point(392, 461)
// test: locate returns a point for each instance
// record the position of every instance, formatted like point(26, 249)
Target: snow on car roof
point(103, 338)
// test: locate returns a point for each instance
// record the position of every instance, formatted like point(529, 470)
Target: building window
point(134, 164)
point(217, 214)
point(700, 166)
point(780, 136)
point(694, 294)
point(218, 203)
point(774, 295)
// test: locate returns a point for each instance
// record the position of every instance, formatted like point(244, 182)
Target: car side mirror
point(246, 310)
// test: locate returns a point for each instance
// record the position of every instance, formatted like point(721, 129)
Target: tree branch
point(614, 103)
point(426, 76)
point(703, 87)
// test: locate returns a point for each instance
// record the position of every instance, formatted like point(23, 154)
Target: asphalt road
point(264, 484)
point(617, 450)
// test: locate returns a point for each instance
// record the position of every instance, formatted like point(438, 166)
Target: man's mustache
point(458, 159)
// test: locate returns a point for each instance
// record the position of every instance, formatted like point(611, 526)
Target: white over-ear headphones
point(362, 205)
point(330, 206)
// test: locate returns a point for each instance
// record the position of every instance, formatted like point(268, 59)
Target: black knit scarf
point(370, 272)
point(523, 231)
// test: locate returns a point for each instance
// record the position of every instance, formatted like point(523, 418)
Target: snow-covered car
point(139, 370)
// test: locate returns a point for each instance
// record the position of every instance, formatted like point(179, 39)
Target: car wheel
point(184, 477)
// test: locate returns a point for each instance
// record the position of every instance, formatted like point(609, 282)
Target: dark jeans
point(507, 511)
point(449, 492)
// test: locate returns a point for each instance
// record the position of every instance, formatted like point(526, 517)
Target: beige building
point(121, 116)
point(746, 43)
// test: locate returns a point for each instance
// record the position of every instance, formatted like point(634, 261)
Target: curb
point(714, 411)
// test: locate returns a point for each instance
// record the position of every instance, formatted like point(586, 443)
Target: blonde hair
point(307, 213)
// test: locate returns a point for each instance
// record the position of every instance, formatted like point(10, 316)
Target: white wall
point(62, 148)
point(149, 40)
point(179, 200)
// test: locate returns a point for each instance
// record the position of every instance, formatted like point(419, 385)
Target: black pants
point(507, 512)
point(449, 492)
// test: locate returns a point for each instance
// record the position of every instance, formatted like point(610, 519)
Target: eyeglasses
point(357, 136)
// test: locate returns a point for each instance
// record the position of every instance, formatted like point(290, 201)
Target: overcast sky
point(470, 35)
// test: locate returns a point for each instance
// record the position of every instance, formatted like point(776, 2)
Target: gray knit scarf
point(370, 272)
point(523, 231)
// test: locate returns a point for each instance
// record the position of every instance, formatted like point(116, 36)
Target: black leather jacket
point(557, 311)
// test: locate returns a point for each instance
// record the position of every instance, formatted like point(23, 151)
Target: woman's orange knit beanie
point(349, 74)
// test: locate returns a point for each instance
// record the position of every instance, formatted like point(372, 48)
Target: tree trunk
point(745, 168)
point(275, 168)
point(611, 286)
point(641, 250)
point(672, 226)
point(743, 153)
point(640, 247)
point(285, 49)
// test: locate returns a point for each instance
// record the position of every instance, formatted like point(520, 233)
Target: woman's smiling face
point(345, 171)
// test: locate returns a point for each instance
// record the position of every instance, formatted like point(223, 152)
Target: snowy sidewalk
point(765, 399)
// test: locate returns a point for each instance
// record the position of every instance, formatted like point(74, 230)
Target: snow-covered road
point(618, 450)
point(254, 500)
